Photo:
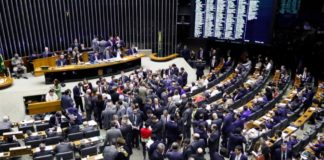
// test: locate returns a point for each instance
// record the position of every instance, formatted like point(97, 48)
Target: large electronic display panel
point(248, 21)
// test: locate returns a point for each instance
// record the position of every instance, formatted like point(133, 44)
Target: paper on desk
point(94, 139)
point(27, 121)
point(266, 117)
point(92, 123)
point(292, 128)
point(47, 117)
point(47, 148)
point(257, 122)
point(284, 135)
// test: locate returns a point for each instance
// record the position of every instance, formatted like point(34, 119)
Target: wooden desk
point(20, 151)
point(43, 107)
point(92, 140)
point(303, 118)
point(78, 72)
point(154, 57)
point(5, 82)
point(5, 155)
point(38, 63)
point(50, 62)
point(17, 134)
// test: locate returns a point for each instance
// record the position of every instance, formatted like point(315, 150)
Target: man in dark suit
point(213, 141)
point(213, 63)
point(61, 61)
point(200, 54)
point(235, 139)
point(73, 128)
point(186, 120)
point(66, 100)
point(217, 156)
point(137, 122)
point(42, 151)
point(197, 142)
point(174, 153)
point(77, 96)
point(157, 127)
point(200, 66)
point(132, 50)
point(238, 154)
point(158, 153)
point(184, 76)
point(56, 119)
point(63, 146)
point(185, 52)
point(226, 128)
point(172, 131)
point(47, 53)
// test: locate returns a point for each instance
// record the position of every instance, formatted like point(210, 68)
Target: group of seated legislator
point(152, 109)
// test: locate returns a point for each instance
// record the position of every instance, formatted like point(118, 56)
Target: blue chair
point(42, 126)
point(5, 147)
point(26, 128)
point(75, 136)
point(34, 143)
point(92, 150)
point(52, 140)
point(46, 157)
point(93, 133)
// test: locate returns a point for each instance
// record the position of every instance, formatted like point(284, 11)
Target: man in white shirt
point(51, 96)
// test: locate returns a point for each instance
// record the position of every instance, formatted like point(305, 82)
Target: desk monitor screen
point(249, 21)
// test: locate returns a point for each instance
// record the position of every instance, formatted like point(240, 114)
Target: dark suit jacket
point(214, 141)
point(66, 102)
point(157, 156)
point(200, 69)
point(228, 119)
point(61, 62)
point(63, 147)
point(172, 130)
point(217, 156)
point(235, 140)
point(47, 54)
point(139, 119)
point(233, 155)
point(52, 121)
point(174, 155)
point(157, 129)
point(76, 92)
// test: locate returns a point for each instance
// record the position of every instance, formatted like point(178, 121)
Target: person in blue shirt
point(132, 50)
point(47, 53)
point(61, 61)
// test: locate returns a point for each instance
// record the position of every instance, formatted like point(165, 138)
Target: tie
point(134, 119)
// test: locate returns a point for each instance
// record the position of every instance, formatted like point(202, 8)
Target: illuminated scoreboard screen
point(247, 21)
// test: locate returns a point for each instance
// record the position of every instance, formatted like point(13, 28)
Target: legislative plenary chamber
point(161, 80)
